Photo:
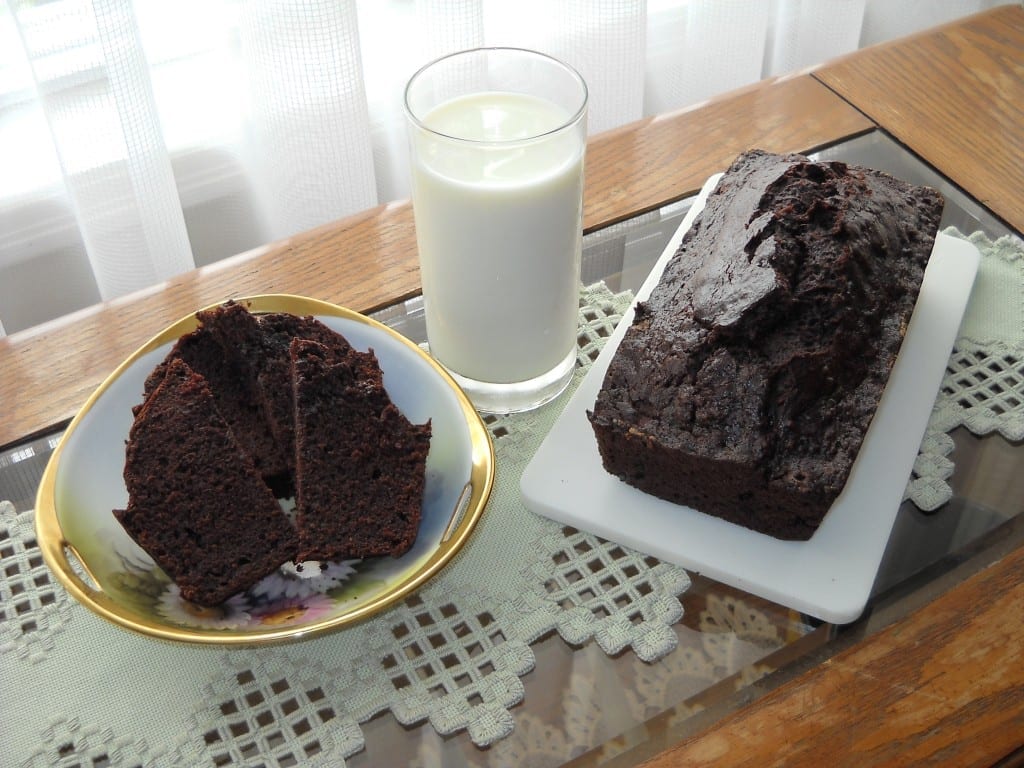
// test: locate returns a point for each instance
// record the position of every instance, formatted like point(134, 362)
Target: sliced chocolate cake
point(247, 409)
point(274, 369)
point(225, 350)
point(360, 464)
point(198, 505)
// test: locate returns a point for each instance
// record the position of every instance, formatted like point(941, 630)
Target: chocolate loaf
point(748, 379)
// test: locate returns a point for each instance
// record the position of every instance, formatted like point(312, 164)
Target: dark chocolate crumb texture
point(748, 379)
point(197, 503)
point(230, 422)
point(360, 469)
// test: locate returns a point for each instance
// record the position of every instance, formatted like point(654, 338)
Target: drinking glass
point(497, 139)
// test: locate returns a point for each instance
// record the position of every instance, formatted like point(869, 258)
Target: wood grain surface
point(942, 687)
point(369, 261)
point(647, 164)
point(955, 95)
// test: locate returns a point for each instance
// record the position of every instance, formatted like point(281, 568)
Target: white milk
point(499, 229)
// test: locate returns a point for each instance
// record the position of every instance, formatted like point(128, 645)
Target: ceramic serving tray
point(829, 576)
point(105, 570)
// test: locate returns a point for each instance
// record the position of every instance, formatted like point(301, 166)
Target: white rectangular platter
point(829, 576)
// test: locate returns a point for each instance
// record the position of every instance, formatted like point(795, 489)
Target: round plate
point(104, 569)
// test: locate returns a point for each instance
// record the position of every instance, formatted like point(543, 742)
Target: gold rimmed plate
point(103, 568)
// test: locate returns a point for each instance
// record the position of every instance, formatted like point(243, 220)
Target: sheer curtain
point(141, 138)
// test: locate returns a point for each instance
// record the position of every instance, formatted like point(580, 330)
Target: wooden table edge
point(943, 685)
point(368, 260)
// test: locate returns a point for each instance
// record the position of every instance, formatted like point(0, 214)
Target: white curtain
point(142, 138)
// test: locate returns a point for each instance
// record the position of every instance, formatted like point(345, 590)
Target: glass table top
point(732, 647)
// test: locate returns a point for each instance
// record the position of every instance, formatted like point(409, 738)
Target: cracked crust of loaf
point(749, 377)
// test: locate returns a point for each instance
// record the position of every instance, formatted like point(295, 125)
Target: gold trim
point(53, 543)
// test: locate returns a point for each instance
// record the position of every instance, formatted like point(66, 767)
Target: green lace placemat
point(983, 389)
point(77, 690)
point(452, 655)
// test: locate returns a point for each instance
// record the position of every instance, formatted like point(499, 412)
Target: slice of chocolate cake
point(361, 464)
point(226, 350)
point(273, 368)
point(198, 505)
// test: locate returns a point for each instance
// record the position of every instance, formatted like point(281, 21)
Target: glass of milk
point(497, 138)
